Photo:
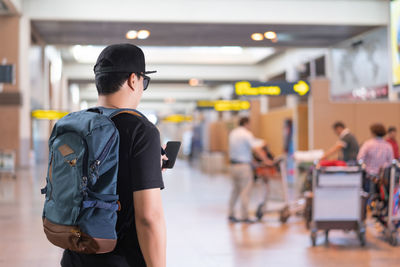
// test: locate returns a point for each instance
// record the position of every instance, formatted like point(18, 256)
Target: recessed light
point(270, 35)
point(131, 35)
point(143, 34)
point(194, 82)
point(257, 36)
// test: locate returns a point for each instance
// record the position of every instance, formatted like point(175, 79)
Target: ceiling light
point(231, 49)
point(86, 53)
point(257, 36)
point(194, 82)
point(169, 100)
point(131, 35)
point(270, 35)
point(143, 34)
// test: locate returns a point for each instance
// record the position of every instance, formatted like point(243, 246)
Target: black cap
point(121, 58)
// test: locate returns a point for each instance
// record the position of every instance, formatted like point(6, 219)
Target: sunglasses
point(146, 80)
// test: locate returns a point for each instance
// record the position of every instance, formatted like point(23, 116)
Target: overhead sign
point(177, 118)
point(206, 104)
point(224, 105)
point(247, 88)
point(48, 114)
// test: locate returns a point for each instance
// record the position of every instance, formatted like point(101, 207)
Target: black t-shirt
point(139, 169)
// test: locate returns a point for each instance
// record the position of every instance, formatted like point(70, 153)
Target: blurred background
point(294, 67)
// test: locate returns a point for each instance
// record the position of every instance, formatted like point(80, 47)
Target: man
point(120, 80)
point(376, 153)
point(242, 143)
point(347, 145)
point(391, 138)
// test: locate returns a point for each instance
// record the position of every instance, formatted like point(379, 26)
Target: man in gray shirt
point(347, 144)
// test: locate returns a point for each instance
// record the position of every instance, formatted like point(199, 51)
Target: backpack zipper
point(104, 153)
point(51, 177)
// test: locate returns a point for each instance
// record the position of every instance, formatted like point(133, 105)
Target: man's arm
point(150, 226)
point(332, 150)
point(261, 155)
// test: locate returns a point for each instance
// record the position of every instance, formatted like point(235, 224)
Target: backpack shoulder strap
point(129, 111)
point(111, 112)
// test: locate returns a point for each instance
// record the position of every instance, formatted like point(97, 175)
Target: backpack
point(81, 204)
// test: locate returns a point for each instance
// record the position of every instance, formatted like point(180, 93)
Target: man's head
point(244, 122)
point(392, 132)
point(338, 127)
point(377, 129)
point(122, 67)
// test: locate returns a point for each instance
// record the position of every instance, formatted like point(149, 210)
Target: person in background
point(391, 138)
point(376, 153)
point(242, 144)
point(347, 144)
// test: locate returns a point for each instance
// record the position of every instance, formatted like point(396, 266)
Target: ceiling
point(198, 55)
point(210, 46)
point(192, 34)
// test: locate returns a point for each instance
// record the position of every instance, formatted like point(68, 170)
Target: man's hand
point(163, 157)
point(334, 149)
point(261, 154)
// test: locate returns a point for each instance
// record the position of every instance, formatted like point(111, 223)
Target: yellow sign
point(205, 104)
point(48, 114)
point(177, 118)
point(224, 105)
point(244, 88)
point(395, 30)
point(271, 88)
point(301, 88)
point(231, 105)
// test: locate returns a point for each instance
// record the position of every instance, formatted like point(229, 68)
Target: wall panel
point(272, 129)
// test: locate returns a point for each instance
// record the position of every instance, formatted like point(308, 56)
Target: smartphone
point(171, 151)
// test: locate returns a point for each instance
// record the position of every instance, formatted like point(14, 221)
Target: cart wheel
point(259, 212)
point(314, 238)
point(326, 236)
point(307, 217)
point(284, 215)
point(308, 224)
point(393, 238)
point(361, 237)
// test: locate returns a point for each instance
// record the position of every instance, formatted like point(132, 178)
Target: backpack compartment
point(100, 204)
point(65, 179)
point(69, 237)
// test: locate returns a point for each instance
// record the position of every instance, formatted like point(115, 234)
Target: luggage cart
point(289, 207)
point(273, 173)
point(337, 201)
point(391, 216)
point(7, 163)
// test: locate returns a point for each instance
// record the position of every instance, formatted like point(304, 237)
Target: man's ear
point(131, 81)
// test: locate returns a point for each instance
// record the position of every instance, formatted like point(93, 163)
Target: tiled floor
point(198, 233)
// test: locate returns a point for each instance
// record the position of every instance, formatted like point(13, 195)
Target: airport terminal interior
point(318, 81)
